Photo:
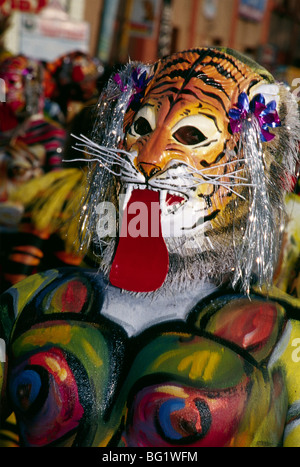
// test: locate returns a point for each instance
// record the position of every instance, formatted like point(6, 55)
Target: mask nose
point(148, 169)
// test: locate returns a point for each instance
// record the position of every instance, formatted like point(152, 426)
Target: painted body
point(209, 378)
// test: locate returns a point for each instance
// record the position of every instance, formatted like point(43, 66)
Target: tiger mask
point(210, 136)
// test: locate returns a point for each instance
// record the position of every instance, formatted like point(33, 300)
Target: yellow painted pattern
point(60, 335)
point(203, 364)
point(56, 368)
point(92, 354)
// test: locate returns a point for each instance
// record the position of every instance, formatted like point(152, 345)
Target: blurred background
point(116, 30)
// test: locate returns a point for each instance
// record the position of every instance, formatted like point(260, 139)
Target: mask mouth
point(170, 201)
point(182, 213)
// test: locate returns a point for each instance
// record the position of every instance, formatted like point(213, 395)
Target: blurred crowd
point(42, 102)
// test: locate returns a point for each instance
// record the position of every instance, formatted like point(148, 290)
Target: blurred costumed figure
point(71, 84)
point(30, 144)
point(44, 238)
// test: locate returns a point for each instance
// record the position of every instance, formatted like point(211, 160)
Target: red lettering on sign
point(27, 6)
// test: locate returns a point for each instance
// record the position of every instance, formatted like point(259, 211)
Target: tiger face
point(183, 146)
point(180, 141)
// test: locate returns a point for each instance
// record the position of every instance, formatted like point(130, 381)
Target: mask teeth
point(126, 197)
point(163, 199)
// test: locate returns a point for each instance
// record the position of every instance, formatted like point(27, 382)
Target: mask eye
point(196, 131)
point(144, 123)
point(189, 135)
point(142, 127)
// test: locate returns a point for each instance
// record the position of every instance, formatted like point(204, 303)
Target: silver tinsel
point(108, 131)
point(259, 248)
point(269, 169)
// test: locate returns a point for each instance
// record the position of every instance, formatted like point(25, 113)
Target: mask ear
point(271, 92)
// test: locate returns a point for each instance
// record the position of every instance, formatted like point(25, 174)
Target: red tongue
point(141, 262)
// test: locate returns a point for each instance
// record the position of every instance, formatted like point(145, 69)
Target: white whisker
point(213, 166)
point(228, 174)
point(224, 185)
point(200, 172)
point(224, 164)
point(104, 156)
point(214, 181)
point(98, 156)
point(130, 174)
point(96, 159)
point(108, 156)
point(172, 187)
point(212, 177)
point(80, 160)
point(217, 183)
point(110, 150)
point(115, 158)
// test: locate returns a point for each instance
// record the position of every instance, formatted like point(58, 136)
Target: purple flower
point(118, 81)
point(266, 114)
point(240, 113)
point(139, 84)
point(27, 71)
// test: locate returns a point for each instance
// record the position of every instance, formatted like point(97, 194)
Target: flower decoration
point(266, 114)
point(117, 79)
point(29, 73)
point(139, 83)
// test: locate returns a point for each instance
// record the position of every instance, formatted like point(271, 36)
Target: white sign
point(144, 18)
point(2, 90)
point(46, 39)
